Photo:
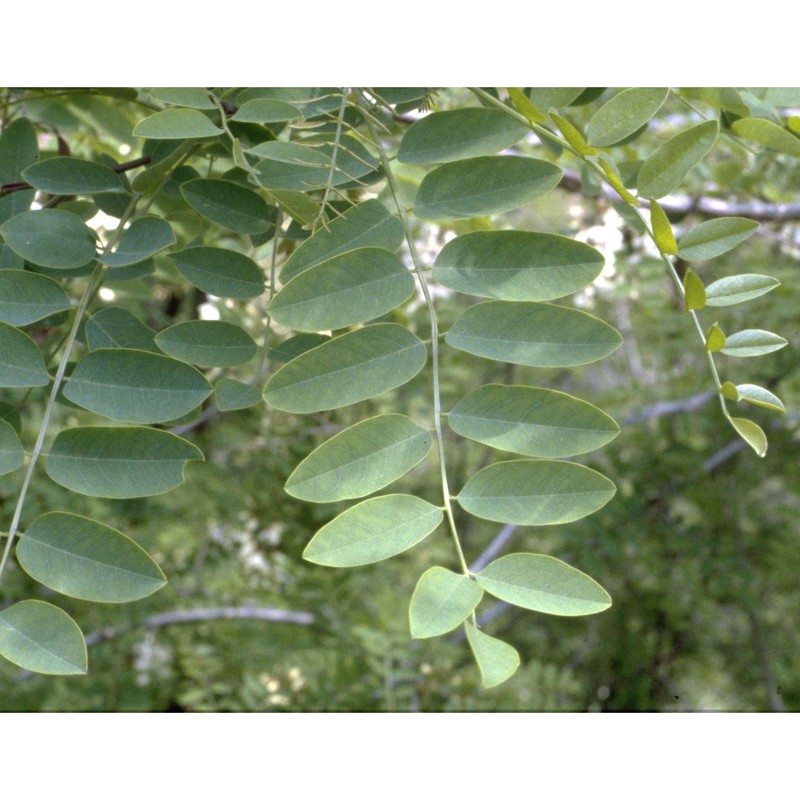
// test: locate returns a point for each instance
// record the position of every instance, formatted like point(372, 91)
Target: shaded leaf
point(208, 343)
point(65, 175)
point(535, 492)
point(349, 288)
point(664, 170)
point(219, 271)
point(751, 433)
point(136, 386)
point(12, 455)
point(543, 583)
point(26, 297)
point(21, 363)
point(373, 530)
point(50, 238)
point(189, 97)
point(516, 265)
point(485, 185)
point(767, 133)
point(623, 115)
point(295, 345)
point(360, 460)
point(530, 421)
point(119, 462)
point(177, 123)
point(116, 327)
point(144, 238)
point(555, 97)
point(42, 638)
point(265, 110)
point(714, 237)
point(752, 342)
point(19, 149)
point(497, 661)
point(347, 369)
point(738, 289)
point(230, 204)
point(460, 133)
point(368, 224)
point(232, 395)
point(441, 601)
point(88, 560)
point(533, 334)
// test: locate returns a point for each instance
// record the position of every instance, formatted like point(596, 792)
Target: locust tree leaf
point(230, 204)
point(738, 289)
point(232, 395)
point(441, 601)
point(64, 175)
point(207, 343)
point(535, 492)
point(497, 660)
point(26, 297)
point(144, 238)
point(360, 459)
point(543, 583)
point(759, 396)
point(119, 462)
point(767, 133)
point(51, 238)
point(752, 342)
point(623, 115)
point(12, 455)
point(19, 149)
point(177, 123)
point(219, 271)
point(751, 433)
point(82, 558)
point(714, 237)
point(264, 110)
point(694, 291)
point(662, 230)
point(373, 530)
point(117, 327)
point(21, 363)
point(188, 97)
point(39, 637)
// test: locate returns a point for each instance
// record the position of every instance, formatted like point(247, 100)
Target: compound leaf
point(441, 601)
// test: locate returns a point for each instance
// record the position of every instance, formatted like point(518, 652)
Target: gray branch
point(670, 407)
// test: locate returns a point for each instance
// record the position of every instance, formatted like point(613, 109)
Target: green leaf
point(230, 204)
point(189, 97)
point(264, 110)
point(136, 386)
point(233, 395)
point(26, 297)
point(534, 422)
point(82, 558)
point(368, 224)
point(21, 363)
point(290, 348)
point(738, 289)
point(144, 238)
point(497, 661)
point(18, 149)
point(221, 272)
point(116, 327)
point(152, 178)
point(758, 396)
point(355, 366)
point(65, 175)
point(623, 115)
point(751, 433)
point(42, 638)
point(476, 187)
point(360, 460)
point(208, 343)
point(543, 583)
point(461, 133)
point(664, 170)
point(298, 205)
point(50, 238)
point(572, 135)
point(524, 106)
point(516, 265)
point(352, 287)
point(764, 132)
point(119, 462)
point(533, 334)
point(12, 455)
point(555, 97)
point(177, 123)
point(694, 292)
point(535, 492)
point(442, 600)
point(662, 230)
point(715, 339)
point(714, 237)
point(373, 530)
point(752, 342)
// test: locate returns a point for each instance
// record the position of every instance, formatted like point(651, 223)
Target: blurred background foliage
point(699, 549)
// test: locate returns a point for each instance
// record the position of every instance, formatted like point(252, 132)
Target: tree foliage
point(386, 311)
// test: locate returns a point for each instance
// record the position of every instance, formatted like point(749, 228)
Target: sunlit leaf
point(543, 583)
point(553, 97)
point(119, 461)
point(738, 289)
point(535, 492)
point(220, 271)
point(715, 339)
point(767, 133)
point(50, 238)
point(752, 342)
point(347, 369)
point(623, 115)
point(188, 96)
point(39, 637)
point(177, 123)
point(360, 460)
point(694, 291)
point(144, 238)
point(264, 110)
point(65, 175)
point(475, 187)
point(497, 661)
point(208, 343)
point(21, 363)
point(751, 433)
point(534, 422)
point(516, 265)
point(759, 396)
point(662, 230)
point(26, 297)
point(441, 601)
point(533, 334)
point(714, 237)
point(373, 530)
point(82, 558)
